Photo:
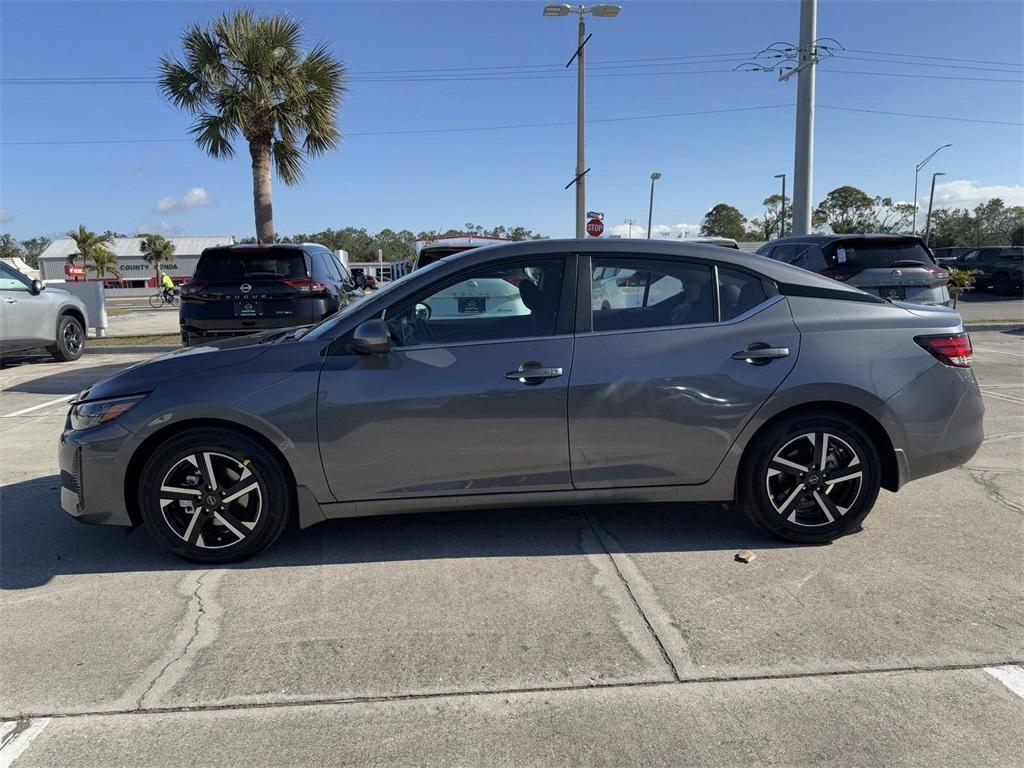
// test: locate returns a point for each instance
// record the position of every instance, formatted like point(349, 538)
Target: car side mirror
point(360, 281)
point(37, 287)
point(372, 337)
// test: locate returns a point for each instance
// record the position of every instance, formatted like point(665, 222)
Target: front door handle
point(760, 353)
point(11, 301)
point(532, 372)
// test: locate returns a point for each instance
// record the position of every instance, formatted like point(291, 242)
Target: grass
point(117, 311)
point(142, 340)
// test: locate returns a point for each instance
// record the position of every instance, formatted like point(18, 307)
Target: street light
point(604, 11)
point(630, 222)
point(782, 215)
point(917, 170)
point(931, 199)
point(650, 210)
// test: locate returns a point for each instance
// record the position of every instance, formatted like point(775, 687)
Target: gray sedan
point(718, 376)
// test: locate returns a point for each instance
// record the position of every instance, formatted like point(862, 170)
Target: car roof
point(825, 238)
point(774, 270)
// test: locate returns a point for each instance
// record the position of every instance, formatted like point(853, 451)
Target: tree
point(89, 245)
point(247, 75)
point(766, 226)
point(724, 221)
point(10, 248)
point(890, 216)
point(103, 262)
point(156, 249)
point(991, 223)
point(33, 248)
point(846, 209)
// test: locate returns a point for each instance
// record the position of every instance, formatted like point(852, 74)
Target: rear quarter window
point(268, 264)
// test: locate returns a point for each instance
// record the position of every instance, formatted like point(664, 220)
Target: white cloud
point(159, 228)
point(5, 216)
point(967, 194)
point(659, 231)
point(194, 198)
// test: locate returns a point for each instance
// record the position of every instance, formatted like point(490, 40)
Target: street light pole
point(917, 170)
point(650, 209)
point(565, 9)
point(782, 214)
point(630, 222)
point(931, 199)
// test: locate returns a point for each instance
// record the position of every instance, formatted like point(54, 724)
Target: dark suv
point(984, 262)
point(240, 289)
point(897, 267)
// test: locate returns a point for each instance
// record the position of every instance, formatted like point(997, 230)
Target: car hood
point(145, 376)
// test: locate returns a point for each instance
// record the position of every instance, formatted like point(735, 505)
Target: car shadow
point(40, 541)
point(68, 380)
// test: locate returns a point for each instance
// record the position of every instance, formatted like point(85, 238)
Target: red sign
point(73, 270)
point(595, 227)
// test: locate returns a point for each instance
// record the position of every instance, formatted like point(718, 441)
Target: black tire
point(156, 300)
point(215, 532)
point(70, 341)
point(1001, 284)
point(817, 506)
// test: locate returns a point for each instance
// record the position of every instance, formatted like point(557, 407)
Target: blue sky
point(512, 176)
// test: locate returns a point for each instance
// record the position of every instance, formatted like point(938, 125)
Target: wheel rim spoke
point(814, 479)
point(788, 467)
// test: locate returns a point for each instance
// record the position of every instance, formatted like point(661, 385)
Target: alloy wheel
point(72, 337)
point(814, 479)
point(211, 500)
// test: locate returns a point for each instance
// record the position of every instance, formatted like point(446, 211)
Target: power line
point(456, 129)
point(842, 55)
point(929, 117)
point(926, 77)
point(938, 58)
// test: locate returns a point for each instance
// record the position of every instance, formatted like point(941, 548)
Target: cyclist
point(168, 285)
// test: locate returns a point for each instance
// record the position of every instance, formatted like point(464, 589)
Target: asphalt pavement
point(625, 635)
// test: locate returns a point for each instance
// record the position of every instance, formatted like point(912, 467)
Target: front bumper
point(92, 473)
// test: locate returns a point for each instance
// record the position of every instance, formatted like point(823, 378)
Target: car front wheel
point(214, 495)
point(811, 478)
point(70, 341)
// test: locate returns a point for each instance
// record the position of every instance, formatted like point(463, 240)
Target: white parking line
point(47, 404)
point(18, 743)
point(1012, 676)
point(988, 351)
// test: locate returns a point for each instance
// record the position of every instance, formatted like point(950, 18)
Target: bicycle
point(159, 299)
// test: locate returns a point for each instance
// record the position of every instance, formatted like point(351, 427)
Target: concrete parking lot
point(624, 635)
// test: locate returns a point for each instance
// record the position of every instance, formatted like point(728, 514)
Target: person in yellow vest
point(168, 285)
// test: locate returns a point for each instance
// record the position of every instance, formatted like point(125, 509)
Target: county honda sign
point(595, 227)
point(74, 271)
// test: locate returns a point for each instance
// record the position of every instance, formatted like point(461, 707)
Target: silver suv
point(33, 316)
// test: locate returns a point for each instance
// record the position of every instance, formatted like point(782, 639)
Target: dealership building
point(136, 272)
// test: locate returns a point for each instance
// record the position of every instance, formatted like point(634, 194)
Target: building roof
point(129, 246)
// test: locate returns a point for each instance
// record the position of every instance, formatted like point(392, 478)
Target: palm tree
point(104, 262)
point(156, 249)
point(247, 75)
point(88, 243)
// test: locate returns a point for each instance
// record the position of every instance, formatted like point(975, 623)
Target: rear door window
point(649, 293)
point(218, 265)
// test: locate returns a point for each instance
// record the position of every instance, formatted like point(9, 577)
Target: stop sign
point(595, 227)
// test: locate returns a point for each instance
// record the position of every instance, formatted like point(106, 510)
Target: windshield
point(323, 327)
point(223, 264)
point(430, 255)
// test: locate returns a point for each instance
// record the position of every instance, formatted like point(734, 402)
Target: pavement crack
point(983, 478)
point(657, 620)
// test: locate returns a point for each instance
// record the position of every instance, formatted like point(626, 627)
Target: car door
point(467, 404)
point(659, 391)
point(30, 317)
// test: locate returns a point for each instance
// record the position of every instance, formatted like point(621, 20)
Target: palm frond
point(288, 162)
point(213, 133)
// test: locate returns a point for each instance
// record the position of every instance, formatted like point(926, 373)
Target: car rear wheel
point(811, 478)
point(1001, 284)
point(214, 496)
point(70, 342)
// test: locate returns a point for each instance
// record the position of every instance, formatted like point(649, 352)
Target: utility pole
point(630, 222)
point(804, 150)
point(564, 9)
point(782, 214)
point(931, 199)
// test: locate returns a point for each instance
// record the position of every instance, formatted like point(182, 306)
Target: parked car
point(33, 316)
point(897, 267)
point(945, 257)
point(242, 289)
point(983, 262)
point(794, 394)
point(1008, 271)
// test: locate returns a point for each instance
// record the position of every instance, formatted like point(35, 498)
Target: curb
point(1011, 326)
point(107, 349)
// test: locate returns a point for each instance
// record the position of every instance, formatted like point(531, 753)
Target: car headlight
point(92, 414)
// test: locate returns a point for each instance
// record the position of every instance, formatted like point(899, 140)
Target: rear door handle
point(532, 372)
point(760, 353)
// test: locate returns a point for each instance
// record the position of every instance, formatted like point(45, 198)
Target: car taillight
point(939, 272)
point(306, 285)
point(193, 287)
point(954, 349)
